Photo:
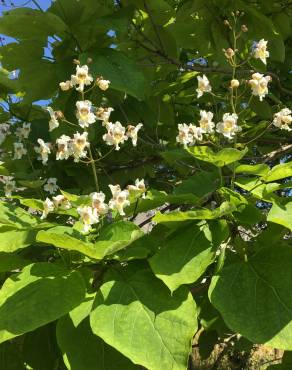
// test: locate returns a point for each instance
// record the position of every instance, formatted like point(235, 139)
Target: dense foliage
point(145, 172)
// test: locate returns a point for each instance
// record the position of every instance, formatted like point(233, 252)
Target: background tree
point(149, 200)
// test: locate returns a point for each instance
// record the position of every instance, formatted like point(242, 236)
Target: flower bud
point(76, 61)
point(102, 84)
point(59, 114)
point(89, 60)
point(65, 86)
point(244, 28)
point(229, 53)
point(226, 22)
point(234, 83)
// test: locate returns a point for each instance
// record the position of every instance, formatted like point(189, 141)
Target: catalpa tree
point(145, 171)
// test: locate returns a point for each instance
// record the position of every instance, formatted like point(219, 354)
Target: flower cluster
point(283, 119)
point(76, 146)
point(57, 202)
point(90, 214)
point(190, 134)
point(21, 132)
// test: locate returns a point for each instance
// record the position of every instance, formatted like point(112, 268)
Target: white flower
point(79, 145)
point(259, 85)
point(115, 134)
point(64, 150)
point(88, 216)
point(53, 122)
point(102, 84)
point(260, 51)
point(203, 86)
point(81, 78)
point(51, 185)
point(65, 86)
point(19, 150)
point(184, 136)
point(48, 206)
point(229, 125)
point(139, 187)
point(115, 189)
point(119, 200)
point(23, 131)
point(103, 114)
point(4, 131)
point(9, 185)
point(98, 203)
point(132, 132)
point(196, 134)
point(43, 150)
point(283, 119)
point(61, 202)
point(84, 115)
point(206, 123)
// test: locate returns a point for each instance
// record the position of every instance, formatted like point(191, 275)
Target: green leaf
point(261, 108)
point(281, 214)
point(119, 69)
point(41, 293)
point(257, 169)
point(82, 350)
point(200, 214)
point(134, 312)
point(219, 159)
point(186, 254)
point(112, 238)
point(278, 172)
point(40, 348)
point(254, 297)
point(10, 261)
point(31, 24)
point(32, 184)
point(13, 239)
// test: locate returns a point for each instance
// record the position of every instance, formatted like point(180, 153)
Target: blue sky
point(44, 4)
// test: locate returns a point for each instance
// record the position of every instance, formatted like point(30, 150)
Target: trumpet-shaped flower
point(84, 115)
point(53, 122)
point(9, 185)
point(138, 188)
point(51, 185)
point(64, 144)
point(98, 203)
point(103, 114)
point(184, 136)
point(228, 127)
point(23, 131)
point(19, 150)
point(115, 134)
point(260, 51)
point(203, 86)
point(79, 145)
point(48, 207)
point(81, 78)
point(88, 216)
point(283, 119)
point(103, 84)
point(119, 200)
point(206, 123)
point(60, 201)
point(132, 132)
point(65, 86)
point(43, 150)
point(259, 85)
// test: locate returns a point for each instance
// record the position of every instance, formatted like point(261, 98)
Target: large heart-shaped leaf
point(41, 293)
point(255, 298)
point(134, 312)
